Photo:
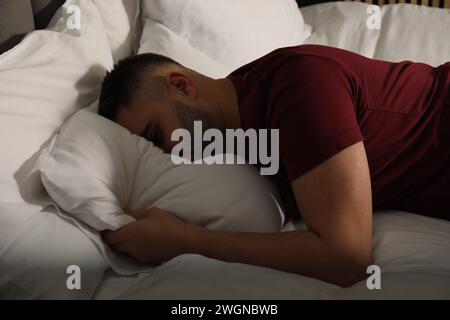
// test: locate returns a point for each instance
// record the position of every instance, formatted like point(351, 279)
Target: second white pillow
point(231, 32)
point(120, 18)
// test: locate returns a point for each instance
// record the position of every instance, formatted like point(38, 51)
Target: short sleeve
point(312, 105)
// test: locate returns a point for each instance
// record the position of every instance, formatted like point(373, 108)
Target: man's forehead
point(132, 120)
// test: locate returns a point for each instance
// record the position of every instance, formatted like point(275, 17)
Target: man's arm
point(335, 201)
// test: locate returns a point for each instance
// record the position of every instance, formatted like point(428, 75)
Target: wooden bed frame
point(430, 3)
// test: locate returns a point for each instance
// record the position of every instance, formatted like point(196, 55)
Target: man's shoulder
point(308, 69)
point(306, 56)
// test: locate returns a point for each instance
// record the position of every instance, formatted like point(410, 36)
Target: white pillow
point(232, 32)
point(417, 33)
point(43, 80)
point(402, 35)
point(120, 18)
point(93, 168)
point(341, 25)
point(157, 38)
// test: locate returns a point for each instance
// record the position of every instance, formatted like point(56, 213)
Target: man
point(355, 134)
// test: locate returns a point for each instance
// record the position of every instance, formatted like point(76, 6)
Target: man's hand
point(156, 236)
point(335, 201)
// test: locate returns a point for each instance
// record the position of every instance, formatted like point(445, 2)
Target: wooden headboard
point(430, 3)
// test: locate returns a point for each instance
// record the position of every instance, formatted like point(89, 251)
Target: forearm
point(301, 252)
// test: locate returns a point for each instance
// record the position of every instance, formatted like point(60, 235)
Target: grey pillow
point(16, 19)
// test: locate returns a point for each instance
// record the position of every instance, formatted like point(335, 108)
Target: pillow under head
point(93, 168)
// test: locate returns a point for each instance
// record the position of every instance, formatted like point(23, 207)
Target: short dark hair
point(122, 84)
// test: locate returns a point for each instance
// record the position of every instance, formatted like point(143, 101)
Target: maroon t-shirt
point(324, 99)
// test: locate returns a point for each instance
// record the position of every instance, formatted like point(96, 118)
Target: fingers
point(137, 214)
point(114, 237)
point(109, 237)
point(120, 248)
point(116, 240)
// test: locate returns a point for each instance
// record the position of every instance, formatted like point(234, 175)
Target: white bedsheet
point(412, 251)
point(39, 248)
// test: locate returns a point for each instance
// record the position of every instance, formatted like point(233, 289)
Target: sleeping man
point(355, 134)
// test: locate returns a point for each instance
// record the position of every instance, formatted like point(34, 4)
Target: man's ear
point(179, 83)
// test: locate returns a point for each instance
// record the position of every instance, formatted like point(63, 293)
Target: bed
point(38, 244)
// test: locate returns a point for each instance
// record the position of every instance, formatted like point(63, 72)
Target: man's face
point(155, 121)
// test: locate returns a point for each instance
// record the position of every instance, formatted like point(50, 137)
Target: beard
point(187, 115)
